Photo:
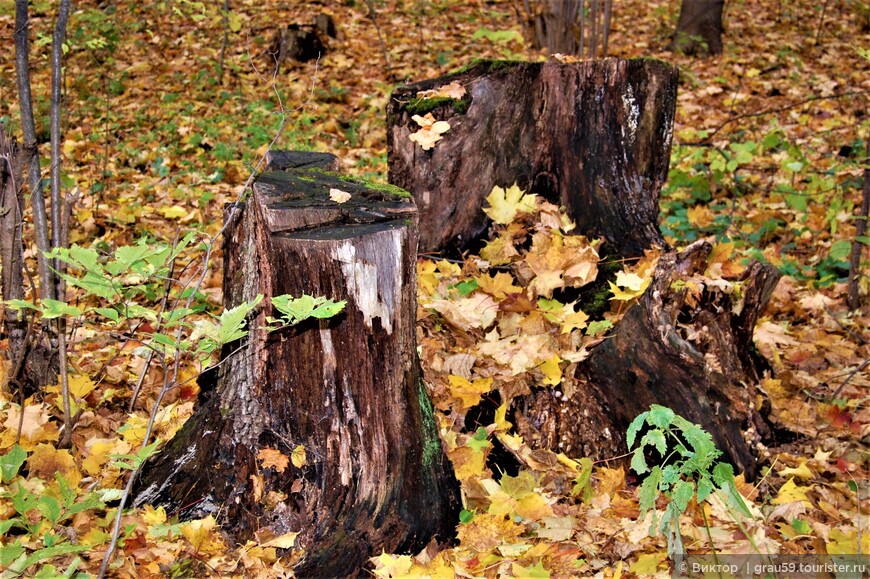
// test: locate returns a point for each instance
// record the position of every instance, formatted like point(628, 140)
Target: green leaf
point(634, 428)
point(163, 339)
point(328, 309)
point(638, 462)
point(293, 309)
point(840, 250)
point(23, 500)
point(466, 287)
point(466, 516)
point(55, 309)
point(597, 327)
point(11, 462)
point(9, 523)
point(583, 482)
point(233, 321)
point(86, 258)
point(10, 552)
point(649, 490)
point(655, 438)
point(796, 202)
point(705, 487)
point(863, 239)
point(48, 553)
point(660, 416)
point(49, 507)
point(682, 492)
point(801, 527)
point(110, 313)
point(67, 493)
point(20, 304)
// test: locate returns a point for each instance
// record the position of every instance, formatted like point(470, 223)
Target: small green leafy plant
point(689, 469)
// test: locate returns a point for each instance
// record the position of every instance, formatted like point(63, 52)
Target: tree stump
point(699, 29)
point(689, 351)
point(595, 138)
point(348, 389)
point(592, 136)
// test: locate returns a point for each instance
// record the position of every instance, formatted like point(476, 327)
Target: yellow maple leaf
point(272, 458)
point(202, 534)
point(173, 212)
point(469, 393)
point(505, 204)
point(551, 370)
point(392, 566)
point(153, 516)
point(467, 462)
point(790, 492)
point(498, 286)
point(427, 280)
point(534, 507)
point(801, 472)
point(700, 216)
point(500, 251)
point(648, 564)
point(285, 541)
point(80, 385)
point(35, 427)
point(628, 286)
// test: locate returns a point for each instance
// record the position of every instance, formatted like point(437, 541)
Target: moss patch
point(421, 106)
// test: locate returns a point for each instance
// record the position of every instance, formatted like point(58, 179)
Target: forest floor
point(767, 163)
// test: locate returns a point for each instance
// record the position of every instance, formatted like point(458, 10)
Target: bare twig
point(380, 39)
point(774, 110)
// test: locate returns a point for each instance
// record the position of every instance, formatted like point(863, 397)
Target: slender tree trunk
point(699, 29)
point(58, 201)
point(31, 150)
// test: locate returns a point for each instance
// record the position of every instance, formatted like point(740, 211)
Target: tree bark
point(692, 353)
point(11, 211)
point(594, 137)
point(348, 389)
point(699, 28)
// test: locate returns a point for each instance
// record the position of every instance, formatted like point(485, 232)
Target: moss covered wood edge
point(318, 182)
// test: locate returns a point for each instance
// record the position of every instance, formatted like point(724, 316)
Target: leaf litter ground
point(766, 163)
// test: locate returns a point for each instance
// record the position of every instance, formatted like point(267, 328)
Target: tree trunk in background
point(594, 137)
point(348, 389)
point(573, 27)
point(699, 29)
point(690, 352)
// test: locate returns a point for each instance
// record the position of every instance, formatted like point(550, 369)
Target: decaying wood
point(692, 353)
point(592, 136)
point(347, 389)
point(277, 160)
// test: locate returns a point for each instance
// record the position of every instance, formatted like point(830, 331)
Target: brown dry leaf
point(45, 461)
point(452, 90)
point(477, 311)
point(272, 458)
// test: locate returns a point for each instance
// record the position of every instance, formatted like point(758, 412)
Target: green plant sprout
point(689, 469)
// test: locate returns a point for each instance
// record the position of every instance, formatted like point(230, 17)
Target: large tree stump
point(347, 389)
point(690, 351)
point(592, 136)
